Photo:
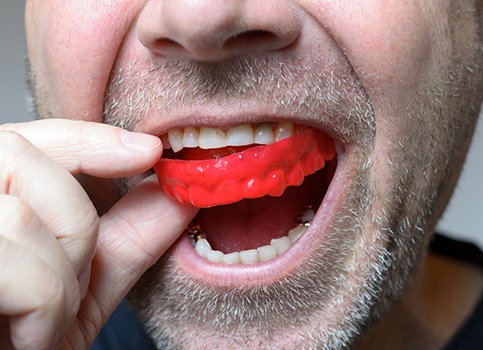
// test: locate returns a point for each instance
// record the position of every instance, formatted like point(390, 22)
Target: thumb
point(133, 236)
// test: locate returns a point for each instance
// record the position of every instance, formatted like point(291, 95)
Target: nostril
point(249, 37)
point(247, 42)
point(254, 35)
point(166, 44)
point(211, 30)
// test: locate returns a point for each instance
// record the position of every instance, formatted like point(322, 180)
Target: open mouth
point(259, 186)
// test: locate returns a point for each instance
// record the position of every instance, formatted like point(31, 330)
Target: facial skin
point(397, 84)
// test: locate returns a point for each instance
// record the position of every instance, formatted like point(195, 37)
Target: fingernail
point(142, 143)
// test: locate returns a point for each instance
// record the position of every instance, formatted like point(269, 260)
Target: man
point(372, 102)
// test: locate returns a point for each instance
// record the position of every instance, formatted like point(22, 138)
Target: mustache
point(315, 89)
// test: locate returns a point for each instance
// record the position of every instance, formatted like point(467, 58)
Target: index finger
point(91, 148)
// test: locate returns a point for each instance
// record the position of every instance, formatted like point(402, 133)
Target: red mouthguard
point(252, 173)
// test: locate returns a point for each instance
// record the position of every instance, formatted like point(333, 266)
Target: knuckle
point(54, 292)
point(12, 147)
point(15, 214)
point(91, 323)
point(51, 295)
point(81, 245)
point(89, 327)
point(12, 140)
point(84, 135)
point(48, 311)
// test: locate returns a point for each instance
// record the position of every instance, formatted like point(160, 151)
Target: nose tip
point(211, 30)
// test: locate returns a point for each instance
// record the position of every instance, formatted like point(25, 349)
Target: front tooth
point(190, 137)
point(175, 137)
point(214, 256)
point(296, 232)
point(284, 130)
point(263, 134)
point(212, 138)
point(281, 244)
point(249, 256)
point(267, 252)
point(240, 136)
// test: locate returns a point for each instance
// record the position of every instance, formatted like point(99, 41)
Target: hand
point(63, 269)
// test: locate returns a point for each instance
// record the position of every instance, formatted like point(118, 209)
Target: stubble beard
point(368, 259)
point(330, 300)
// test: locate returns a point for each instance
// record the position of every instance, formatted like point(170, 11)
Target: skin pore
point(397, 84)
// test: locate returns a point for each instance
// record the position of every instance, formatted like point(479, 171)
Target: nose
point(212, 30)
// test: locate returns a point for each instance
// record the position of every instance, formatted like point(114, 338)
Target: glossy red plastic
point(253, 173)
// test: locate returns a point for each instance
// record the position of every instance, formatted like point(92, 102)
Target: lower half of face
point(333, 273)
point(305, 266)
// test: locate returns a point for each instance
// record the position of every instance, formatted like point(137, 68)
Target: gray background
point(464, 217)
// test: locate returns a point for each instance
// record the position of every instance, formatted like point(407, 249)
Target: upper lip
point(228, 120)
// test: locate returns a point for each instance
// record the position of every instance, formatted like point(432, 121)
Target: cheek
point(387, 41)
point(394, 47)
point(72, 46)
point(391, 45)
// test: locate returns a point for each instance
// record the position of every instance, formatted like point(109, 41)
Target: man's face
point(395, 84)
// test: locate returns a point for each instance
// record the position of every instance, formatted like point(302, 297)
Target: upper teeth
point(210, 138)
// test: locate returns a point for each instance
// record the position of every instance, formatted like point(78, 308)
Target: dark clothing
point(123, 332)
point(470, 335)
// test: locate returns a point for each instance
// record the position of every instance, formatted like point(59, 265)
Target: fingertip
point(141, 143)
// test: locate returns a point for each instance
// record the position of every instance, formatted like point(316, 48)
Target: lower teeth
point(276, 247)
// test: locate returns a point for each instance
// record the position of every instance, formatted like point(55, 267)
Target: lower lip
point(231, 276)
point(239, 275)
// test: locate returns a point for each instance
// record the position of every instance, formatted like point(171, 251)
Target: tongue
point(252, 223)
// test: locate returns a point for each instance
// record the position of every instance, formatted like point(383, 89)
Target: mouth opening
point(257, 230)
point(253, 230)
